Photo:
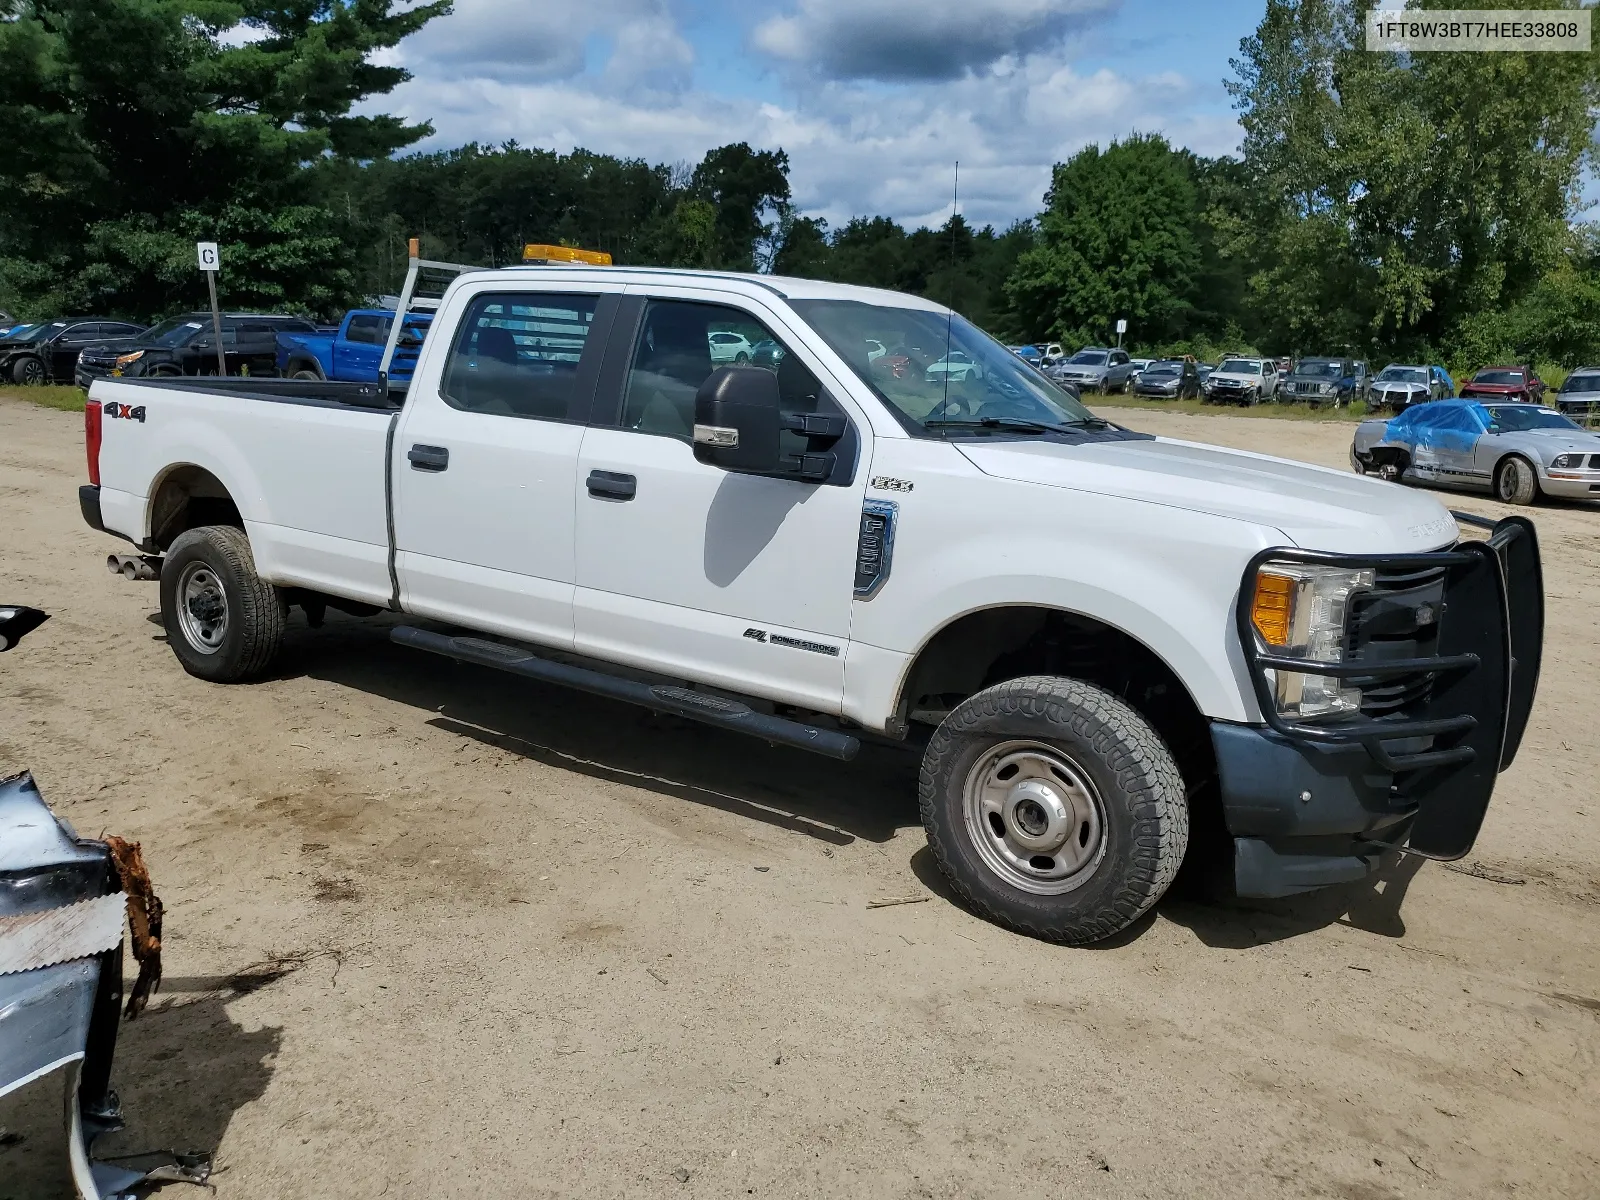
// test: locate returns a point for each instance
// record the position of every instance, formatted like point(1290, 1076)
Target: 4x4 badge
point(885, 483)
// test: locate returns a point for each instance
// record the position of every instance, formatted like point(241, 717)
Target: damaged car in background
point(63, 901)
point(1398, 386)
point(1517, 451)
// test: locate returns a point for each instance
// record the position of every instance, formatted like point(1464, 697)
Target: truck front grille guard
point(1483, 676)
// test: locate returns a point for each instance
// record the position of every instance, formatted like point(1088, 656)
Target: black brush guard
point(1445, 751)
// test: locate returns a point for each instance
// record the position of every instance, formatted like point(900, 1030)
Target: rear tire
point(1515, 481)
point(306, 373)
point(1054, 809)
point(223, 621)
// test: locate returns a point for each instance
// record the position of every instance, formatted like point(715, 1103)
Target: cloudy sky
point(874, 100)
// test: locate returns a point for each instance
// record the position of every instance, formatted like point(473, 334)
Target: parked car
point(1504, 383)
point(185, 345)
point(1142, 364)
point(1285, 366)
point(354, 351)
point(1052, 352)
point(1029, 354)
point(1170, 379)
point(1204, 370)
point(1399, 386)
point(1095, 369)
point(769, 353)
point(728, 346)
point(48, 352)
point(1241, 381)
point(958, 365)
point(1089, 625)
point(1579, 396)
point(1516, 450)
point(1319, 381)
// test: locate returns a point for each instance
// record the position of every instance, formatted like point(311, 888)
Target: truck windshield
point(978, 382)
point(174, 331)
point(1582, 383)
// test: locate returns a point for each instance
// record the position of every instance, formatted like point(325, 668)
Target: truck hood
point(1313, 507)
point(1233, 377)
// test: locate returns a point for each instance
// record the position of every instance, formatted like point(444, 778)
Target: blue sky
point(874, 100)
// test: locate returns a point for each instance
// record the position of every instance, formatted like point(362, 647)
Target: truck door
point(485, 458)
point(359, 346)
point(737, 580)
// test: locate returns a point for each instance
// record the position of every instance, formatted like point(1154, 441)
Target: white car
point(1090, 629)
point(1241, 381)
point(729, 347)
point(957, 365)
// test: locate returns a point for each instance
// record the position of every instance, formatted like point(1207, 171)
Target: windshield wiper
point(1021, 424)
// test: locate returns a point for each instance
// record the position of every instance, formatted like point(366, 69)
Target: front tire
point(28, 371)
point(1054, 809)
point(1516, 482)
point(223, 621)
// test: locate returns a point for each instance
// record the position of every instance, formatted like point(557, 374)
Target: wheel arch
point(186, 496)
point(988, 646)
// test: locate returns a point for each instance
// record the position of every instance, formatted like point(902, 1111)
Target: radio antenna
point(950, 308)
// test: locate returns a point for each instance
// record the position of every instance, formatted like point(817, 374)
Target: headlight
point(1566, 462)
point(124, 359)
point(1299, 611)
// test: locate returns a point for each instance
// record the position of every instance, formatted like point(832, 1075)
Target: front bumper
point(1310, 803)
point(1581, 484)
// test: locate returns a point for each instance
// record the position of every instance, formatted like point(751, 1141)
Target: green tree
point(1399, 198)
point(1117, 238)
point(148, 129)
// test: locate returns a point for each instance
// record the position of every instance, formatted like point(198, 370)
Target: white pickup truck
point(1116, 648)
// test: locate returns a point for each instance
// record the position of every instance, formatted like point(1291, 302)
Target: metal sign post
point(209, 261)
point(1122, 328)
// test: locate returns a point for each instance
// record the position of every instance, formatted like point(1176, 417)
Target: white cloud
point(514, 40)
point(920, 39)
point(856, 147)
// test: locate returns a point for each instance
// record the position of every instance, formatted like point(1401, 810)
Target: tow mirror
point(737, 423)
point(16, 621)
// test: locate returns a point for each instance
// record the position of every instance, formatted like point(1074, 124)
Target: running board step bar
point(662, 697)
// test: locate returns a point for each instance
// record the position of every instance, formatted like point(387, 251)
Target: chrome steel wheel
point(1035, 817)
point(202, 608)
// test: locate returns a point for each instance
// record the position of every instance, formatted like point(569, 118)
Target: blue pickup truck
point(352, 354)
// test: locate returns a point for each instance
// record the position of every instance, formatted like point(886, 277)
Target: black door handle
point(612, 485)
point(428, 458)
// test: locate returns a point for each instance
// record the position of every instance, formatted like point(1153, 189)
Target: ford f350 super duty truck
point(1104, 639)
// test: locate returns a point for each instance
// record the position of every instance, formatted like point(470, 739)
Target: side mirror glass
point(16, 621)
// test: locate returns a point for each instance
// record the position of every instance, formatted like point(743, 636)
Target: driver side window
point(682, 342)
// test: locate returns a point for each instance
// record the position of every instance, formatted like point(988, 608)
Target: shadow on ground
point(181, 1070)
point(833, 801)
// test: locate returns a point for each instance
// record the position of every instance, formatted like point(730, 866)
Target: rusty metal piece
point(144, 921)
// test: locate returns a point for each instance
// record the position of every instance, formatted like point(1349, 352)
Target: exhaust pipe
point(135, 567)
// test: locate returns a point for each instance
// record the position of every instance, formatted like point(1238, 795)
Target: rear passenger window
point(517, 355)
point(681, 343)
point(369, 329)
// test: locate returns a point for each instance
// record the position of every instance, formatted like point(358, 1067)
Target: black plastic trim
point(89, 506)
point(722, 711)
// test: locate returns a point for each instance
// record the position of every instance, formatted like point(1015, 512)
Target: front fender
point(1166, 577)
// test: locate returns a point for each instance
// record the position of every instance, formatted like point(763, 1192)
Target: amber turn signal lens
point(1272, 608)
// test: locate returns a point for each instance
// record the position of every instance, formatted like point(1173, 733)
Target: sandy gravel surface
point(529, 943)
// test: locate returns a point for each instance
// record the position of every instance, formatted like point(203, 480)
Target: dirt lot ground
point(433, 932)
